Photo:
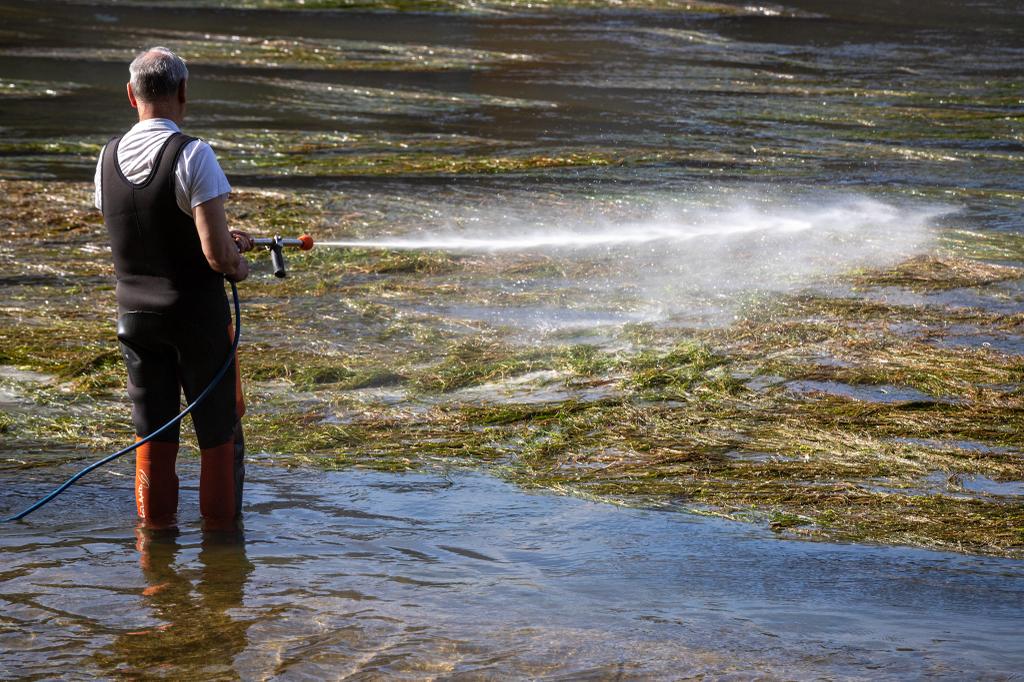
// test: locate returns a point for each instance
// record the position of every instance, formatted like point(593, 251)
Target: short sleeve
point(98, 181)
point(201, 176)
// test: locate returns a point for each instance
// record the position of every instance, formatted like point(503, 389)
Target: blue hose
point(110, 458)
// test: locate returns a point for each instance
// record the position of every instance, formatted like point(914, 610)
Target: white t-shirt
point(198, 177)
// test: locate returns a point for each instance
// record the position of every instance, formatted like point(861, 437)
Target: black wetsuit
point(173, 316)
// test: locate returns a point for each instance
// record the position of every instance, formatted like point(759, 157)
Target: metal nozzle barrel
point(276, 247)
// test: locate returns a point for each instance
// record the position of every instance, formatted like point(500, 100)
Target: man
point(162, 195)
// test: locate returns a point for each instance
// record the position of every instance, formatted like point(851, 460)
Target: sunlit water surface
point(455, 573)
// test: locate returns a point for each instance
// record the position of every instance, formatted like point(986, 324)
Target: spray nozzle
point(276, 247)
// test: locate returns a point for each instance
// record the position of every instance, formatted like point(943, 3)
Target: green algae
point(25, 88)
point(492, 6)
point(343, 369)
point(275, 153)
point(475, 362)
point(925, 273)
point(987, 246)
point(331, 99)
point(71, 147)
point(677, 371)
point(329, 162)
point(291, 52)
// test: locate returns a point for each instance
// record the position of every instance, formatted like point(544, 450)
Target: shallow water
point(457, 574)
point(415, 127)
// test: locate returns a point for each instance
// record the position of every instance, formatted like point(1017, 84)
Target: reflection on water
point(457, 573)
point(192, 605)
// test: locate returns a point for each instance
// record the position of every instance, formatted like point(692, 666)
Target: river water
point(457, 574)
point(452, 573)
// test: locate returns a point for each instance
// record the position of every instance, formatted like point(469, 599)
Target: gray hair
point(156, 73)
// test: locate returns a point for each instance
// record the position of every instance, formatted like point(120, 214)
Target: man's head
point(157, 85)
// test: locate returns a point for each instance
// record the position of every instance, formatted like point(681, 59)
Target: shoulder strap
point(168, 158)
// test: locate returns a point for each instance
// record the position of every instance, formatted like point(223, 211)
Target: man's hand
point(240, 273)
point(242, 240)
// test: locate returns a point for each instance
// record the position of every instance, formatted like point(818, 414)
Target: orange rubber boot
point(217, 495)
point(156, 484)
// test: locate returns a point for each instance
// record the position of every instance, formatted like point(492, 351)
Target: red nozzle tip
point(307, 242)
